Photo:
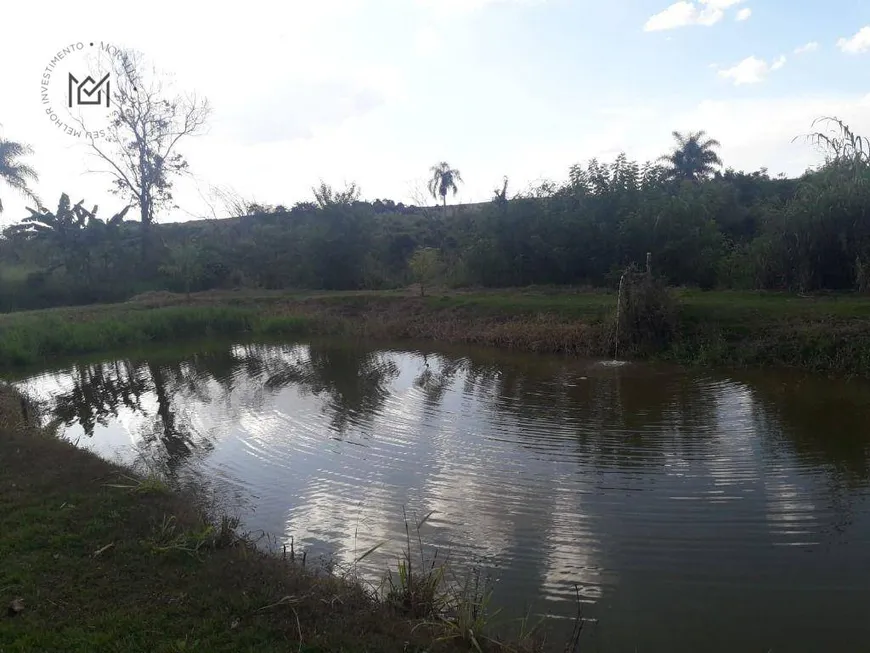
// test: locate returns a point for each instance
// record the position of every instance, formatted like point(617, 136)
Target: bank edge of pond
point(724, 329)
point(715, 329)
point(96, 558)
point(122, 571)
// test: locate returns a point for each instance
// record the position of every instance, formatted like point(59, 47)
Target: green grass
point(42, 336)
point(735, 304)
point(586, 305)
point(28, 339)
point(827, 333)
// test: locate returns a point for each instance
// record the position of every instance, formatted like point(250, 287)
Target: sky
point(377, 91)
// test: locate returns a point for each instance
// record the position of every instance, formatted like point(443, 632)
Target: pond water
point(693, 510)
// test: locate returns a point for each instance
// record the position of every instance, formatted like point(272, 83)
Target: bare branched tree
point(226, 202)
point(540, 189)
point(418, 193)
point(147, 124)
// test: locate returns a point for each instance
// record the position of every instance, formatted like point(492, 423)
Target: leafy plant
point(327, 196)
point(425, 265)
point(184, 265)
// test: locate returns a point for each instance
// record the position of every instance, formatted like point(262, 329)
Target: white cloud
point(322, 103)
point(685, 13)
point(679, 14)
point(751, 138)
point(744, 14)
point(428, 41)
point(452, 7)
point(751, 70)
point(754, 132)
point(856, 44)
point(812, 46)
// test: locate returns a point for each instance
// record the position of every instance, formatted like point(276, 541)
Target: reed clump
point(456, 603)
point(648, 315)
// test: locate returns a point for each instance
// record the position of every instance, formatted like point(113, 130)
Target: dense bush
point(647, 314)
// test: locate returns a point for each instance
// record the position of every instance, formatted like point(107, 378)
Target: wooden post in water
point(648, 263)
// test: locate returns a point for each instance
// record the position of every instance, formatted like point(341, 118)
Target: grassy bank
point(95, 559)
point(823, 334)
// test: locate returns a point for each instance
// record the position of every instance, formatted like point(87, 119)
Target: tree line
point(703, 224)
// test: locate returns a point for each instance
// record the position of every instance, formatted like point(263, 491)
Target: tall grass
point(456, 604)
point(418, 593)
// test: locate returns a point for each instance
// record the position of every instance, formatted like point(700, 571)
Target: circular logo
point(81, 86)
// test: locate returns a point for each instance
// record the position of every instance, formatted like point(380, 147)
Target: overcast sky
point(377, 91)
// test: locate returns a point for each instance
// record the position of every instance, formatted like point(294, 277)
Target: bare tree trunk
point(862, 278)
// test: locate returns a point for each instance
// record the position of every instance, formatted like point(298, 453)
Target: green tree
point(425, 264)
point(71, 234)
point(327, 196)
point(17, 175)
point(443, 180)
point(184, 265)
point(694, 158)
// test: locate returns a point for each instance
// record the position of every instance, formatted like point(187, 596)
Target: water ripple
point(649, 491)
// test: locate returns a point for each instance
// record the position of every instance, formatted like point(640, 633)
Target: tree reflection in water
point(355, 381)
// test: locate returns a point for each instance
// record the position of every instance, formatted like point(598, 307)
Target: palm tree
point(694, 158)
point(443, 180)
point(16, 174)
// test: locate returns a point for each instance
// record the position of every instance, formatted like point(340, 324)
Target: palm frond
point(14, 173)
point(12, 150)
point(119, 217)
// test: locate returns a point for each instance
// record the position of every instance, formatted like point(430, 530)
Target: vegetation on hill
point(703, 228)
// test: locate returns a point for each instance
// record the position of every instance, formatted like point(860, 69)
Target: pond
point(691, 510)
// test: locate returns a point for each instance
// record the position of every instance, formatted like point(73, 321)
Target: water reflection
point(678, 503)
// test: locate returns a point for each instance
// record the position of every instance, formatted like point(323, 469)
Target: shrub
point(647, 314)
